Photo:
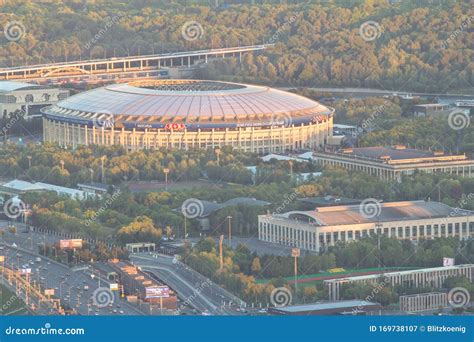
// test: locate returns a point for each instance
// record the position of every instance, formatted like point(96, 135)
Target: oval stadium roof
point(189, 101)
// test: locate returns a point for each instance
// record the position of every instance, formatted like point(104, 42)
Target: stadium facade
point(189, 114)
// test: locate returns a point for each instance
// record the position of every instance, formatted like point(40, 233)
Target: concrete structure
point(27, 98)
point(432, 109)
point(139, 247)
point(94, 188)
point(344, 307)
point(138, 65)
point(324, 226)
point(423, 302)
point(184, 114)
point(19, 187)
point(433, 277)
point(392, 163)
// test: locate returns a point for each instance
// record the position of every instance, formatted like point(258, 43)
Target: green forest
point(418, 45)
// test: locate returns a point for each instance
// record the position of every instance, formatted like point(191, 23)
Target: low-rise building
point(392, 163)
point(316, 229)
point(425, 277)
point(19, 187)
point(28, 98)
point(343, 307)
point(432, 110)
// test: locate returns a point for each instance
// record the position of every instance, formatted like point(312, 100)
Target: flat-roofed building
point(423, 301)
point(432, 109)
point(392, 163)
point(424, 277)
point(28, 98)
point(316, 229)
point(343, 307)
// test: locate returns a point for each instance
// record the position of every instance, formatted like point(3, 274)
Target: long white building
point(322, 227)
point(432, 277)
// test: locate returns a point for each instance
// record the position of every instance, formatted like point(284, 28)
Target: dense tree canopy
point(419, 47)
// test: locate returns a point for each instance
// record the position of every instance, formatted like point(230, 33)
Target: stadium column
point(134, 141)
point(86, 138)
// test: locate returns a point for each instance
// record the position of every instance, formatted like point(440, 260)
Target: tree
point(256, 268)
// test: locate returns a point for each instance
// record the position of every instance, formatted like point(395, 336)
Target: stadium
point(189, 114)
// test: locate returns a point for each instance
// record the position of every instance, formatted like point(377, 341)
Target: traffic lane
point(212, 290)
point(185, 291)
point(68, 284)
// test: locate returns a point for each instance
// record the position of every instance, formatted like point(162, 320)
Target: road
point(192, 287)
point(69, 285)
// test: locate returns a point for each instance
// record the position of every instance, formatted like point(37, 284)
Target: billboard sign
point(448, 262)
point(70, 244)
point(114, 287)
point(157, 292)
point(49, 292)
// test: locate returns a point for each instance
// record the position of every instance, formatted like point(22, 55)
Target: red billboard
point(70, 244)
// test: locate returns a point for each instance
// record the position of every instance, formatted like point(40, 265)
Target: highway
point(75, 288)
point(192, 287)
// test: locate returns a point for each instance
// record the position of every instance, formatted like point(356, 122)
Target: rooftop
point(395, 155)
point(382, 212)
point(343, 304)
point(191, 102)
point(20, 186)
point(9, 86)
point(328, 201)
point(392, 274)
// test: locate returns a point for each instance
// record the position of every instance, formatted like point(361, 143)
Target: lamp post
point(230, 231)
point(166, 171)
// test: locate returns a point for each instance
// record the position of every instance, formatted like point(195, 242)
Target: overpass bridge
point(133, 66)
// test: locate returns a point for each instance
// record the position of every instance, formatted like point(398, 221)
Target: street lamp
point(230, 231)
point(166, 171)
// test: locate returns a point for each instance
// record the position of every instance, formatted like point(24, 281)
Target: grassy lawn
point(10, 304)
